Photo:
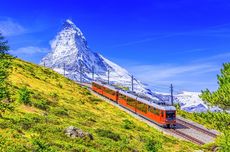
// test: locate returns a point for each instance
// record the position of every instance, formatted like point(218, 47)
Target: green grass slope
point(44, 103)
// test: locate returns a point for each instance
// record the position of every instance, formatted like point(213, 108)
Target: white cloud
point(8, 27)
point(215, 58)
point(194, 76)
point(161, 72)
point(29, 50)
point(30, 53)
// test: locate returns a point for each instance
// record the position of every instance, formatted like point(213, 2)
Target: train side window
point(131, 102)
point(121, 96)
point(97, 86)
point(157, 112)
point(109, 91)
point(152, 110)
point(162, 113)
point(106, 90)
point(141, 106)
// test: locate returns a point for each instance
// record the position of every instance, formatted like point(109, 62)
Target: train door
point(103, 91)
point(162, 117)
point(116, 97)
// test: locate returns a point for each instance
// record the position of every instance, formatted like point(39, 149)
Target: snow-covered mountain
point(190, 101)
point(70, 54)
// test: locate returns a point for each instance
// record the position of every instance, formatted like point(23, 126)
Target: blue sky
point(160, 42)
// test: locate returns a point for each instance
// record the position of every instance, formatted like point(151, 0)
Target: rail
point(186, 136)
point(190, 125)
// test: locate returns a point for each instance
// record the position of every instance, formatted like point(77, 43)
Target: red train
point(160, 114)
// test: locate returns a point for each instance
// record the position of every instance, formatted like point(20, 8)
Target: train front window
point(170, 115)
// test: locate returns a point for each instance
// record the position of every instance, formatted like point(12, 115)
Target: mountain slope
point(55, 103)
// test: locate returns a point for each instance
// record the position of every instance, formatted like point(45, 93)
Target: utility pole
point(64, 69)
point(93, 73)
point(171, 89)
point(44, 64)
point(108, 76)
point(80, 72)
point(132, 82)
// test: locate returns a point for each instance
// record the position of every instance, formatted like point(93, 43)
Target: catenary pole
point(171, 90)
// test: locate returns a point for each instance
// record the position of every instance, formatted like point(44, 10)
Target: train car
point(107, 91)
point(162, 115)
point(97, 87)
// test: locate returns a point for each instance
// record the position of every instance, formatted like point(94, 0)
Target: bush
point(61, 111)
point(41, 104)
point(24, 95)
point(153, 146)
point(108, 134)
point(59, 85)
point(128, 124)
point(42, 146)
point(224, 142)
point(54, 96)
point(4, 107)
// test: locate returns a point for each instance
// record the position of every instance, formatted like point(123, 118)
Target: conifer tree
point(3, 46)
point(4, 66)
point(220, 97)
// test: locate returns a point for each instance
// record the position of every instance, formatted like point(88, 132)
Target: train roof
point(150, 103)
point(110, 87)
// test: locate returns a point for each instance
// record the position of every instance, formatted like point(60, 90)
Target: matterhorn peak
point(69, 24)
point(71, 53)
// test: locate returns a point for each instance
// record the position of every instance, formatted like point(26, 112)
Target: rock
point(74, 132)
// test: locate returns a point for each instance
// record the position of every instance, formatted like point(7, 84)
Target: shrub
point(41, 104)
point(94, 100)
point(24, 95)
point(153, 146)
point(108, 134)
point(26, 123)
point(59, 85)
point(61, 111)
point(42, 146)
point(128, 124)
point(224, 142)
point(54, 96)
point(4, 107)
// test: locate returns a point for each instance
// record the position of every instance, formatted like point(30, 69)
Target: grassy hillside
point(44, 103)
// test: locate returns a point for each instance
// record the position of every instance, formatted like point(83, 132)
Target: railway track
point(188, 137)
point(190, 125)
point(176, 131)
